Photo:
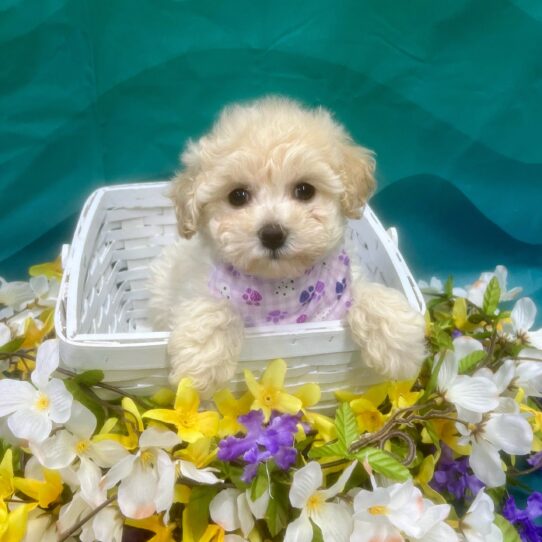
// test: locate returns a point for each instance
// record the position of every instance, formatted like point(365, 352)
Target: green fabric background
point(448, 93)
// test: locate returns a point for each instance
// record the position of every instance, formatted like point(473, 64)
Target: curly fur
point(267, 147)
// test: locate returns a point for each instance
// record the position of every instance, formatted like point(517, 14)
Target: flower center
point(378, 510)
point(147, 458)
point(187, 420)
point(82, 446)
point(269, 397)
point(42, 402)
point(315, 502)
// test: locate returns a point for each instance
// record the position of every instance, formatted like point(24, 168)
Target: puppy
point(262, 203)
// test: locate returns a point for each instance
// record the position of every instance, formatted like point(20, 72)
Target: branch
point(72, 530)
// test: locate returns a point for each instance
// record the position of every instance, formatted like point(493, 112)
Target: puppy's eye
point(239, 197)
point(304, 191)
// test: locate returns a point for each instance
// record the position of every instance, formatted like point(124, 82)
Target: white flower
point(475, 291)
point(105, 526)
point(400, 509)
point(147, 479)
point(233, 509)
point(32, 409)
point(40, 526)
point(45, 290)
point(435, 286)
point(529, 372)
point(471, 395)
point(74, 441)
point(19, 321)
point(334, 520)
point(15, 296)
point(502, 377)
point(523, 317)
point(477, 525)
point(506, 431)
point(203, 476)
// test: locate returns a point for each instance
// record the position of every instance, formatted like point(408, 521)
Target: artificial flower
point(269, 394)
point(40, 525)
point(202, 475)
point(146, 478)
point(522, 320)
point(471, 395)
point(231, 408)
point(528, 375)
point(191, 424)
point(33, 408)
point(262, 442)
point(507, 431)
point(75, 441)
point(525, 520)
point(200, 453)
point(234, 510)
point(163, 532)
point(5, 334)
point(478, 523)
point(15, 296)
point(6, 475)
point(333, 519)
point(475, 291)
point(13, 523)
point(45, 486)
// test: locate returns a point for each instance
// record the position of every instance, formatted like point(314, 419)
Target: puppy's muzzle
point(272, 236)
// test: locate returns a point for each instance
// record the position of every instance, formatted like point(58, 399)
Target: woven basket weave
point(101, 315)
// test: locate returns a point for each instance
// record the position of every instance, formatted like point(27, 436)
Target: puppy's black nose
point(272, 236)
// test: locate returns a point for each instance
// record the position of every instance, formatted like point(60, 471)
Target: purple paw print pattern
point(312, 292)
point(340, 287)
point(301, 318)
point(343, 257)
point(276, 316)
point(252, 297)
point(232, 271)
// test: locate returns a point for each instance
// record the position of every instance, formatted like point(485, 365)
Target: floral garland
point(425, 460)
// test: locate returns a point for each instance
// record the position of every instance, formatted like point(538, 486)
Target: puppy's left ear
point(357, 173)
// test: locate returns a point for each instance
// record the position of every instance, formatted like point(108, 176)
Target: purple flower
point(454, 476)
point(524, 520)
point(456, 333)
point(535, 460)
point(262, 442)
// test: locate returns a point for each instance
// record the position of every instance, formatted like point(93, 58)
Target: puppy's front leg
point(390, 333)
point(205, 343)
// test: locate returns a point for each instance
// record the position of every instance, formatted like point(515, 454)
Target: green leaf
point(329, 450)
point(492, 296)
point(449, 286)
point(384, 463)
point(197, 510)
point(80, 395)
point(276, 516)
point(260, 483)
point(11, 346)
point(345, 422)
point(470, 361)
point(509, 533)
point(89, 378)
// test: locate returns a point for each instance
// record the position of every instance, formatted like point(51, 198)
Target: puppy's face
point(271, 187)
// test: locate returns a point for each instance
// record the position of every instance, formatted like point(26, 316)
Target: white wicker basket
point(101, 315)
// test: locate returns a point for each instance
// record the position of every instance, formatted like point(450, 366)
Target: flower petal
point(486, 464)
point(448, 371)
point(473, 393)
point(308, 394)
point(273, 376)
point(203, 476)
point(166, 482)
point(187, 398)
point(105, 453)
point(509, 432)
point(259, 506)
point(57, 451)
point(137, 492)
point(15, 394)
point(60, 400)
point(463, 346)
point(245, 516)
point(305, 482)
point(82, 422)
point(47, 359)
point(159, 438)
point(335, 522)
point(535, 339)
point(524, 314)
point(119, 471)
point(89, 476)
point(223, 509)
point(299, 530)
point(30, 425)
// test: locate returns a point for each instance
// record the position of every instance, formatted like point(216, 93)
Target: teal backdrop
point(448, 93)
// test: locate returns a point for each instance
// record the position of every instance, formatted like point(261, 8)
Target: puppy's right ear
point(182, 193)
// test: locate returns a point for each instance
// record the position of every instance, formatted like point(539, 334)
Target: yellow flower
point(308, 394)
point(400, 394)
point(324, 425)
point(13, 524)
point(199, 453)
point(536, 422)
point(191, 424)
point(6, 475)
point(155, 524)
point(49, 269)
point(44, 491)
point(368, 416)
point(134, 426)
point(446, 431)
point(268, 393)
point(231, 408)
point(34, 334)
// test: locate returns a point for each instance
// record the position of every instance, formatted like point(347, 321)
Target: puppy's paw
point(390, 333)
point(205, 343)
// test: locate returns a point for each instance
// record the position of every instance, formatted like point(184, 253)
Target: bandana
point(322, 293)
